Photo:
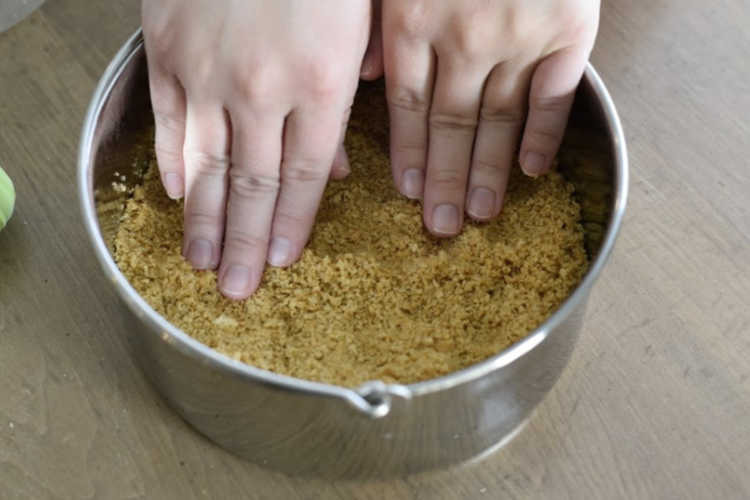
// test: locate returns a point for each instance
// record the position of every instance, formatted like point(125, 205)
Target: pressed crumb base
point(374, 296)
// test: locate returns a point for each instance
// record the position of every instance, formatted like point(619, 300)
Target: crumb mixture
point(374, 296)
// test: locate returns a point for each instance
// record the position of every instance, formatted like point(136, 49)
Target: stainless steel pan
point(303, 427)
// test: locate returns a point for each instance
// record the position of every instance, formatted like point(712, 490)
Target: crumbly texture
point(374, 296)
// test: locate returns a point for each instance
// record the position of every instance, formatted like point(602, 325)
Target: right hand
point(250, 101)
point(470, 83)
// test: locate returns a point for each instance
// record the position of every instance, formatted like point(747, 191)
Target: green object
point(7, 198)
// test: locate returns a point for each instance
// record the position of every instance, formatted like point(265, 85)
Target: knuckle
point(410, 20)
point(447, 178)
point(468, 41)
point(250, 185)
point(487, 167)
point(550, 104)
point(453, 123)
point(160, 37)
point(543, 139)
point(408, 99)
point(202, 73)
point(167, 156)
point(410, 148)
point(245, 242)
point(303, 170)
point(206, 164)
point(197, 217)
point(512, 117)
point(289, 219)
point(166, 119)
point(581, 27)
point(252, 81)
point(515, 26)
point(324, 81)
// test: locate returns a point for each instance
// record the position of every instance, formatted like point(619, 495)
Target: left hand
point(250, 101)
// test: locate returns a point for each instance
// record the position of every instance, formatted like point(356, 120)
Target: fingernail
point(534, 164)
point(173, 185)
point(445, 219)
point(199, 254)
point(280, 252)
point(344, 160)
point(236, 281)
point(412, 183)
point(482, 203)
point(366, 66)
point(340, 168)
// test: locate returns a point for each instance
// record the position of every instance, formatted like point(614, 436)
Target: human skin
point(466, 82)
point(251, 99)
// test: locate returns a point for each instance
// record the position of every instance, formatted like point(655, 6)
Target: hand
point(250, 101)
point(461, 78)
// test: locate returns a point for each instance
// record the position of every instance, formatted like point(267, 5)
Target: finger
point(372, 64)
point(310, 138)
point(253, 188)
point(500, 122)
point(553, 88)
point(168, 103)
point(206, 154)
point(340, 168)
point(409, 69)
point(453, 124)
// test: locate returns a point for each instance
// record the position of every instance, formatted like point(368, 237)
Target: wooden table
point(655, 402)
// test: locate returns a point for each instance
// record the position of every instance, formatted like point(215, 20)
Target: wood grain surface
point(655, 402)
